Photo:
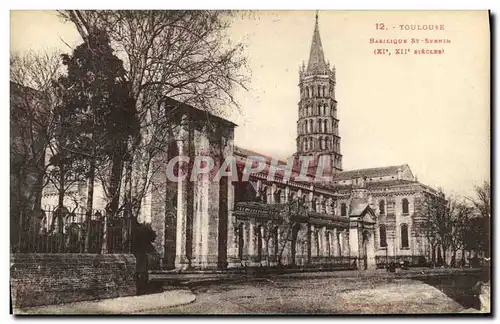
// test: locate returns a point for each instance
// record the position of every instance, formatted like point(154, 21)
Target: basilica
point(363, 218)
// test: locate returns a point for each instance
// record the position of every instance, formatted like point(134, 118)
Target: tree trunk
point(453, 261)
point(445, 263)
point(90, 201)
point(60, 204)
point(439, 256)
point(433, 258)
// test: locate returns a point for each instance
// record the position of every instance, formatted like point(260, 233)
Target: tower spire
point(316, 57)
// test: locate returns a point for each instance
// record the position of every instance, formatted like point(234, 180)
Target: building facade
point(362, 218)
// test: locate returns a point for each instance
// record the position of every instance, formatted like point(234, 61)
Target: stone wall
point(46, 279)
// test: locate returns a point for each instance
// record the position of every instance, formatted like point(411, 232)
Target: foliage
point(143, 237)
point(178, 54)
point(453, 224)
point(97, 113)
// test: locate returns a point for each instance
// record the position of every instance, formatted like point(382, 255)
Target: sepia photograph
point(250, 162)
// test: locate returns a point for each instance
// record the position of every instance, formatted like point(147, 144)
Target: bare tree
point(482, 202)
point(459, 230)
point(279, 227)
point(435, 222)
point(178, 54)
point(32, 126)
point(480, 232)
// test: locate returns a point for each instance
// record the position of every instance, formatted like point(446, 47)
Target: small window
point(277, 196)
point(381, 207)
point(405, 206)
point(259, 243)
point(383, 235)
point(241, 241)
point(404, 236)
point(343, 209)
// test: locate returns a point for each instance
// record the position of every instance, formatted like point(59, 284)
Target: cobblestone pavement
point(317, 296)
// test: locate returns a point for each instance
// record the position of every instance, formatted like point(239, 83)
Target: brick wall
point(45, 279)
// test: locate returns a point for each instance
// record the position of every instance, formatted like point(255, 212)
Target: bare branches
point(482, 202)
point(33, 101)
point(178, 54)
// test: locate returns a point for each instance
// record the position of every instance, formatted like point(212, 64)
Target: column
point(370, 252)
point(181, 261)
point(232, 246)
point(201, 186)
point(334, 243)
point(324, 247)
point(354, 241)
point(232, 239)
point(314, 242)
point(251, 240)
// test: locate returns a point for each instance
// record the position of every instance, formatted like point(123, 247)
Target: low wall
point(46, 279)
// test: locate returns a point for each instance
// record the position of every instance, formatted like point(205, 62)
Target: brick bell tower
point(317, 126)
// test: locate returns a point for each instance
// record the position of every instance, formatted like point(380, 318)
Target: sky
point(429, 111)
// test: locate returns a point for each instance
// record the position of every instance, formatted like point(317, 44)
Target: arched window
point(321, 143)
point(304, 144)
point(310, 126)
point(343, 209)
point(295, 234)
point(319, 126)
point(304, 199)
point(404, 236)
point(383, 235)
point(316, 239)
point(319, 89)
point(313, 204)
point(381, 207)
point(259, 243)
point(324, 91)
point(304, 127)
point(340, 242)
point(277, 196)
point(327, 143)
point(275, 243)
point(311, 146)
point(328, 243)
point(241, 241)
point(263, 195)
point(325, 126)
point(405, 206)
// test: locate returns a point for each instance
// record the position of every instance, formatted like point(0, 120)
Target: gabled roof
point(195, 113)
point(369, 173)
point(358, 209)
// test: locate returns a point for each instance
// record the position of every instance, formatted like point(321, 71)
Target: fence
point(413, 260)
point(61, 231)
